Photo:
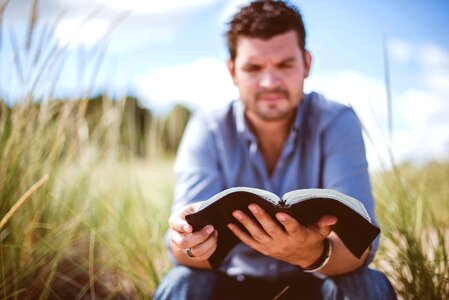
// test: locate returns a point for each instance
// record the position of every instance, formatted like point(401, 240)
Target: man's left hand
point(290, 242)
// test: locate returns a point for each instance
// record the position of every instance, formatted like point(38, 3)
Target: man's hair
point(264, 19)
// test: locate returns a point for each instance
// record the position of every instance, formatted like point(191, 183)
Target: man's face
point(270, 75)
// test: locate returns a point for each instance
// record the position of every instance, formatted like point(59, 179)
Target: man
point(279, 139)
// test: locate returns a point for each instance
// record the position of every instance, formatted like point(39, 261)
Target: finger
point(244, 237)
point(190, 240)
point(214, 246)
point(177, 221)
point(328, 220)
point(325, 223)
point(268, 224)
point(254, 229)
point(205, 249)
point(179, 224)
point(290, 224)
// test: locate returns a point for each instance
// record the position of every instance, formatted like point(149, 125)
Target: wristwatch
point(322, 260)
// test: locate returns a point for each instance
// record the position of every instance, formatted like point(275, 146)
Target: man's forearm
point(341, 260)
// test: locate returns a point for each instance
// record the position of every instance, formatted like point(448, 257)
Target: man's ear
point(231, 69)
point(307, 62)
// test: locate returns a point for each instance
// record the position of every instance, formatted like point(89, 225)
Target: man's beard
point(279, 91)
point(276, 114)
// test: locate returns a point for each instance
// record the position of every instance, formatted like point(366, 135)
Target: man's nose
point(269, 79)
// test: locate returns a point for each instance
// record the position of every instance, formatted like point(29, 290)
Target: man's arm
point(344, 168)
point(197, 178)
point(294, 243)
point(342, 260)
point(201, 244)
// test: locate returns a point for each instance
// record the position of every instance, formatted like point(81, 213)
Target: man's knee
point(187, 283)
point(363, 283)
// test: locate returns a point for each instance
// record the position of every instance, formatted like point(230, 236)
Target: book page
point(271, 197)
point(307, 194)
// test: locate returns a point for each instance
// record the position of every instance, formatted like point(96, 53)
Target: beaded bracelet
point(322, 260)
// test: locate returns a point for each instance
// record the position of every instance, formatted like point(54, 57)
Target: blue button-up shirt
point(324, 149)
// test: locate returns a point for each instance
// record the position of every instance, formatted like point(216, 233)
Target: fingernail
point(237, 215)
point(209, 229)
point(187, 228)
point(281, 217)
point(253, 209)
point(331, 220)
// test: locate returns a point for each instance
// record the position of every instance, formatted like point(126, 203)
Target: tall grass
point(81, 217)
point(413, 211)
point(95, 226)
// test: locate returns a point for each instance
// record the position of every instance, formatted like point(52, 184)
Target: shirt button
point(240, 277)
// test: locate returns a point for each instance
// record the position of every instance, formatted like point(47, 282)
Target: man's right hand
point(201, 243)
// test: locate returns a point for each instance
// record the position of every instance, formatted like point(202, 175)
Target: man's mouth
point(272, 97)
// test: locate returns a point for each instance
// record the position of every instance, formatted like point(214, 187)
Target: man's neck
point(271, 137)
point(270, 129)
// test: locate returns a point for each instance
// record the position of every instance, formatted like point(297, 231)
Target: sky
point(173, 51)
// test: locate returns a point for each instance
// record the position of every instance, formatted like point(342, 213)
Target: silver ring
point(189, 252)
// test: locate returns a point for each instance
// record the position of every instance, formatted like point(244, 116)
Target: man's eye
point(251, 68)
point(286, 66)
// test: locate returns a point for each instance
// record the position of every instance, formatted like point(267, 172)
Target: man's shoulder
point(320, 103)
point(203, 130)
point(324, 110)
point(216, 118)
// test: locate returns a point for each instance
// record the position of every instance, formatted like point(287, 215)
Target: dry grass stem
point(22, 200)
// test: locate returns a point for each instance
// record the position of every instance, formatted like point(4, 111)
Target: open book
point(354, 225)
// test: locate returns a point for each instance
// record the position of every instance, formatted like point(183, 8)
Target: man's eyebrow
point(287, 60)
point(251, 65)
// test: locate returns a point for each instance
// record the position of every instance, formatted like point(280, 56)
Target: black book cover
point(354, 226)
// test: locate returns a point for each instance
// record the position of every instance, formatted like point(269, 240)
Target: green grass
point(80, 215)
point(94, 227)
point(99, 230)
point(413, 212)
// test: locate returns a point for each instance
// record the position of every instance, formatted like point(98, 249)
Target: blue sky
point(174, 51)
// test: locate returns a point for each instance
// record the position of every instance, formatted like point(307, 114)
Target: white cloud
point(428, 55)
point(85, 22)
point(152, 6)
point(230, 9)
point(437, 80)
point(433, 56)
point(203, 84)
point(75, 32)
point(416, 107)
point(367, 96)
point(353, 88)
point(400, 50)
point(420, 127)
point(54, 7)
point(425, 134)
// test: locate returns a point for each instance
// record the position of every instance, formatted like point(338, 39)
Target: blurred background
point(171, 52)
point(94, 98)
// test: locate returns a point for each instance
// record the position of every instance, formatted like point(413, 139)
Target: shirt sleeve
point(345, 167)
point(197, 168)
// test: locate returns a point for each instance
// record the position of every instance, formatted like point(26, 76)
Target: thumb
point(179, 224)
point(327, 220)
point(325, 224)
